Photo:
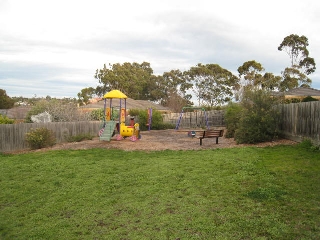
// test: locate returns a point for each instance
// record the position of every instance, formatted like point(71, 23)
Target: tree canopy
point(210, 84)
point(252, 76)
point(133, 79)
point(5, 101)
point(85, 95)
point(302, 64)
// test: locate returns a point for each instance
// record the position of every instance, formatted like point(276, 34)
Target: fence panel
point(300, 120)
point(12, 136)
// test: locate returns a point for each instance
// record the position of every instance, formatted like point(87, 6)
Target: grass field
point(240, 193)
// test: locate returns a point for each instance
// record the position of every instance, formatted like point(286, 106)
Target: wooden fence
point(12, 136)
point(297, 121)
point(300, 120)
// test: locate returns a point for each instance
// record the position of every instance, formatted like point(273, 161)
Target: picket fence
point(12, 136)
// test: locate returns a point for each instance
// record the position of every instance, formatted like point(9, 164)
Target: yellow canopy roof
point(115, 94)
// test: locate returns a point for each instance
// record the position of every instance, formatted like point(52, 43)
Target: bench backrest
point(213, 133)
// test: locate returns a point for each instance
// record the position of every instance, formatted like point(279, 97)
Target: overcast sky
point(54, 47)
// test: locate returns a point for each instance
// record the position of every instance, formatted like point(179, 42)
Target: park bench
point(211, 133)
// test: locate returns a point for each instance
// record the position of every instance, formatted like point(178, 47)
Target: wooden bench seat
point(211, 133)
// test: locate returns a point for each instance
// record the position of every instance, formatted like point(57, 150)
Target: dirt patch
point(157, 140)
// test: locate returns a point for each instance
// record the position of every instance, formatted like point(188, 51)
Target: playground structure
point(115, 118)
point(149, 121)
point(199, 120)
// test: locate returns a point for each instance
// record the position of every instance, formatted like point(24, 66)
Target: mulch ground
point(157, 140)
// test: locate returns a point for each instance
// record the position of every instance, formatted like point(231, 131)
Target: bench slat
point(211, 134)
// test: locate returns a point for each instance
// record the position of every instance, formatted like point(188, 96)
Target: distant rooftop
point(131, 104)
point(303, 91)
point(300, 92)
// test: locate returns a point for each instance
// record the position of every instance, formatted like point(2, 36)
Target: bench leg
point(217, 140)
point(200, 141)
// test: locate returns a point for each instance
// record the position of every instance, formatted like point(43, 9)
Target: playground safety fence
point(196, 119)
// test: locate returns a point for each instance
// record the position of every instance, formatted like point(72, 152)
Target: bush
point(5, 120)
point(157, 120)
point(259, 118)
point(309, 99)
point(40, 107)
point(307, 144)
point(79, 138)
point(40, 138)
point(97, 114)
point(232, 118)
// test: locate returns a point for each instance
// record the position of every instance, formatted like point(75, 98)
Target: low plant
point(79, 137)
point(40, 138)
point(309, 99)
point(97, 114)
point(307, 144)
point(156, 123)
point(5, 120)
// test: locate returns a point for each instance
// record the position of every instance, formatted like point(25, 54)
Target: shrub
point(307, 144)
point(40, 138)
point(97, 114)
point(40, 107)
point(5, 120)
point(79, 137)
point(157, 120)
point(309, 99)
point(232, 118)
point(259, 118)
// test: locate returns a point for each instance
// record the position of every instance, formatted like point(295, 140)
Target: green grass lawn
point(240, 193)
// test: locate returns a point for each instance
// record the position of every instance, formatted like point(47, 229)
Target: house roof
point(130, 104)
point(18, 112)
point(299, 92)
point(303, 91)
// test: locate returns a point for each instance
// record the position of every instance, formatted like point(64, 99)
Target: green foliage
point(232, 118)
point(5, 120)
point(301, 64)
point(296, 47)
point(259, 118)
point(40, 107)
point(252, 77)
point(291, 100)
point(79, 137)
point(157, 120)
point(307, 144)
point(213, 85)
point(97, 114)
point(309, 99)
point(133, 79)
point(293, 78)
point(40, 138)
point(85, 95)
point(5, 101)
point(135, 112)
